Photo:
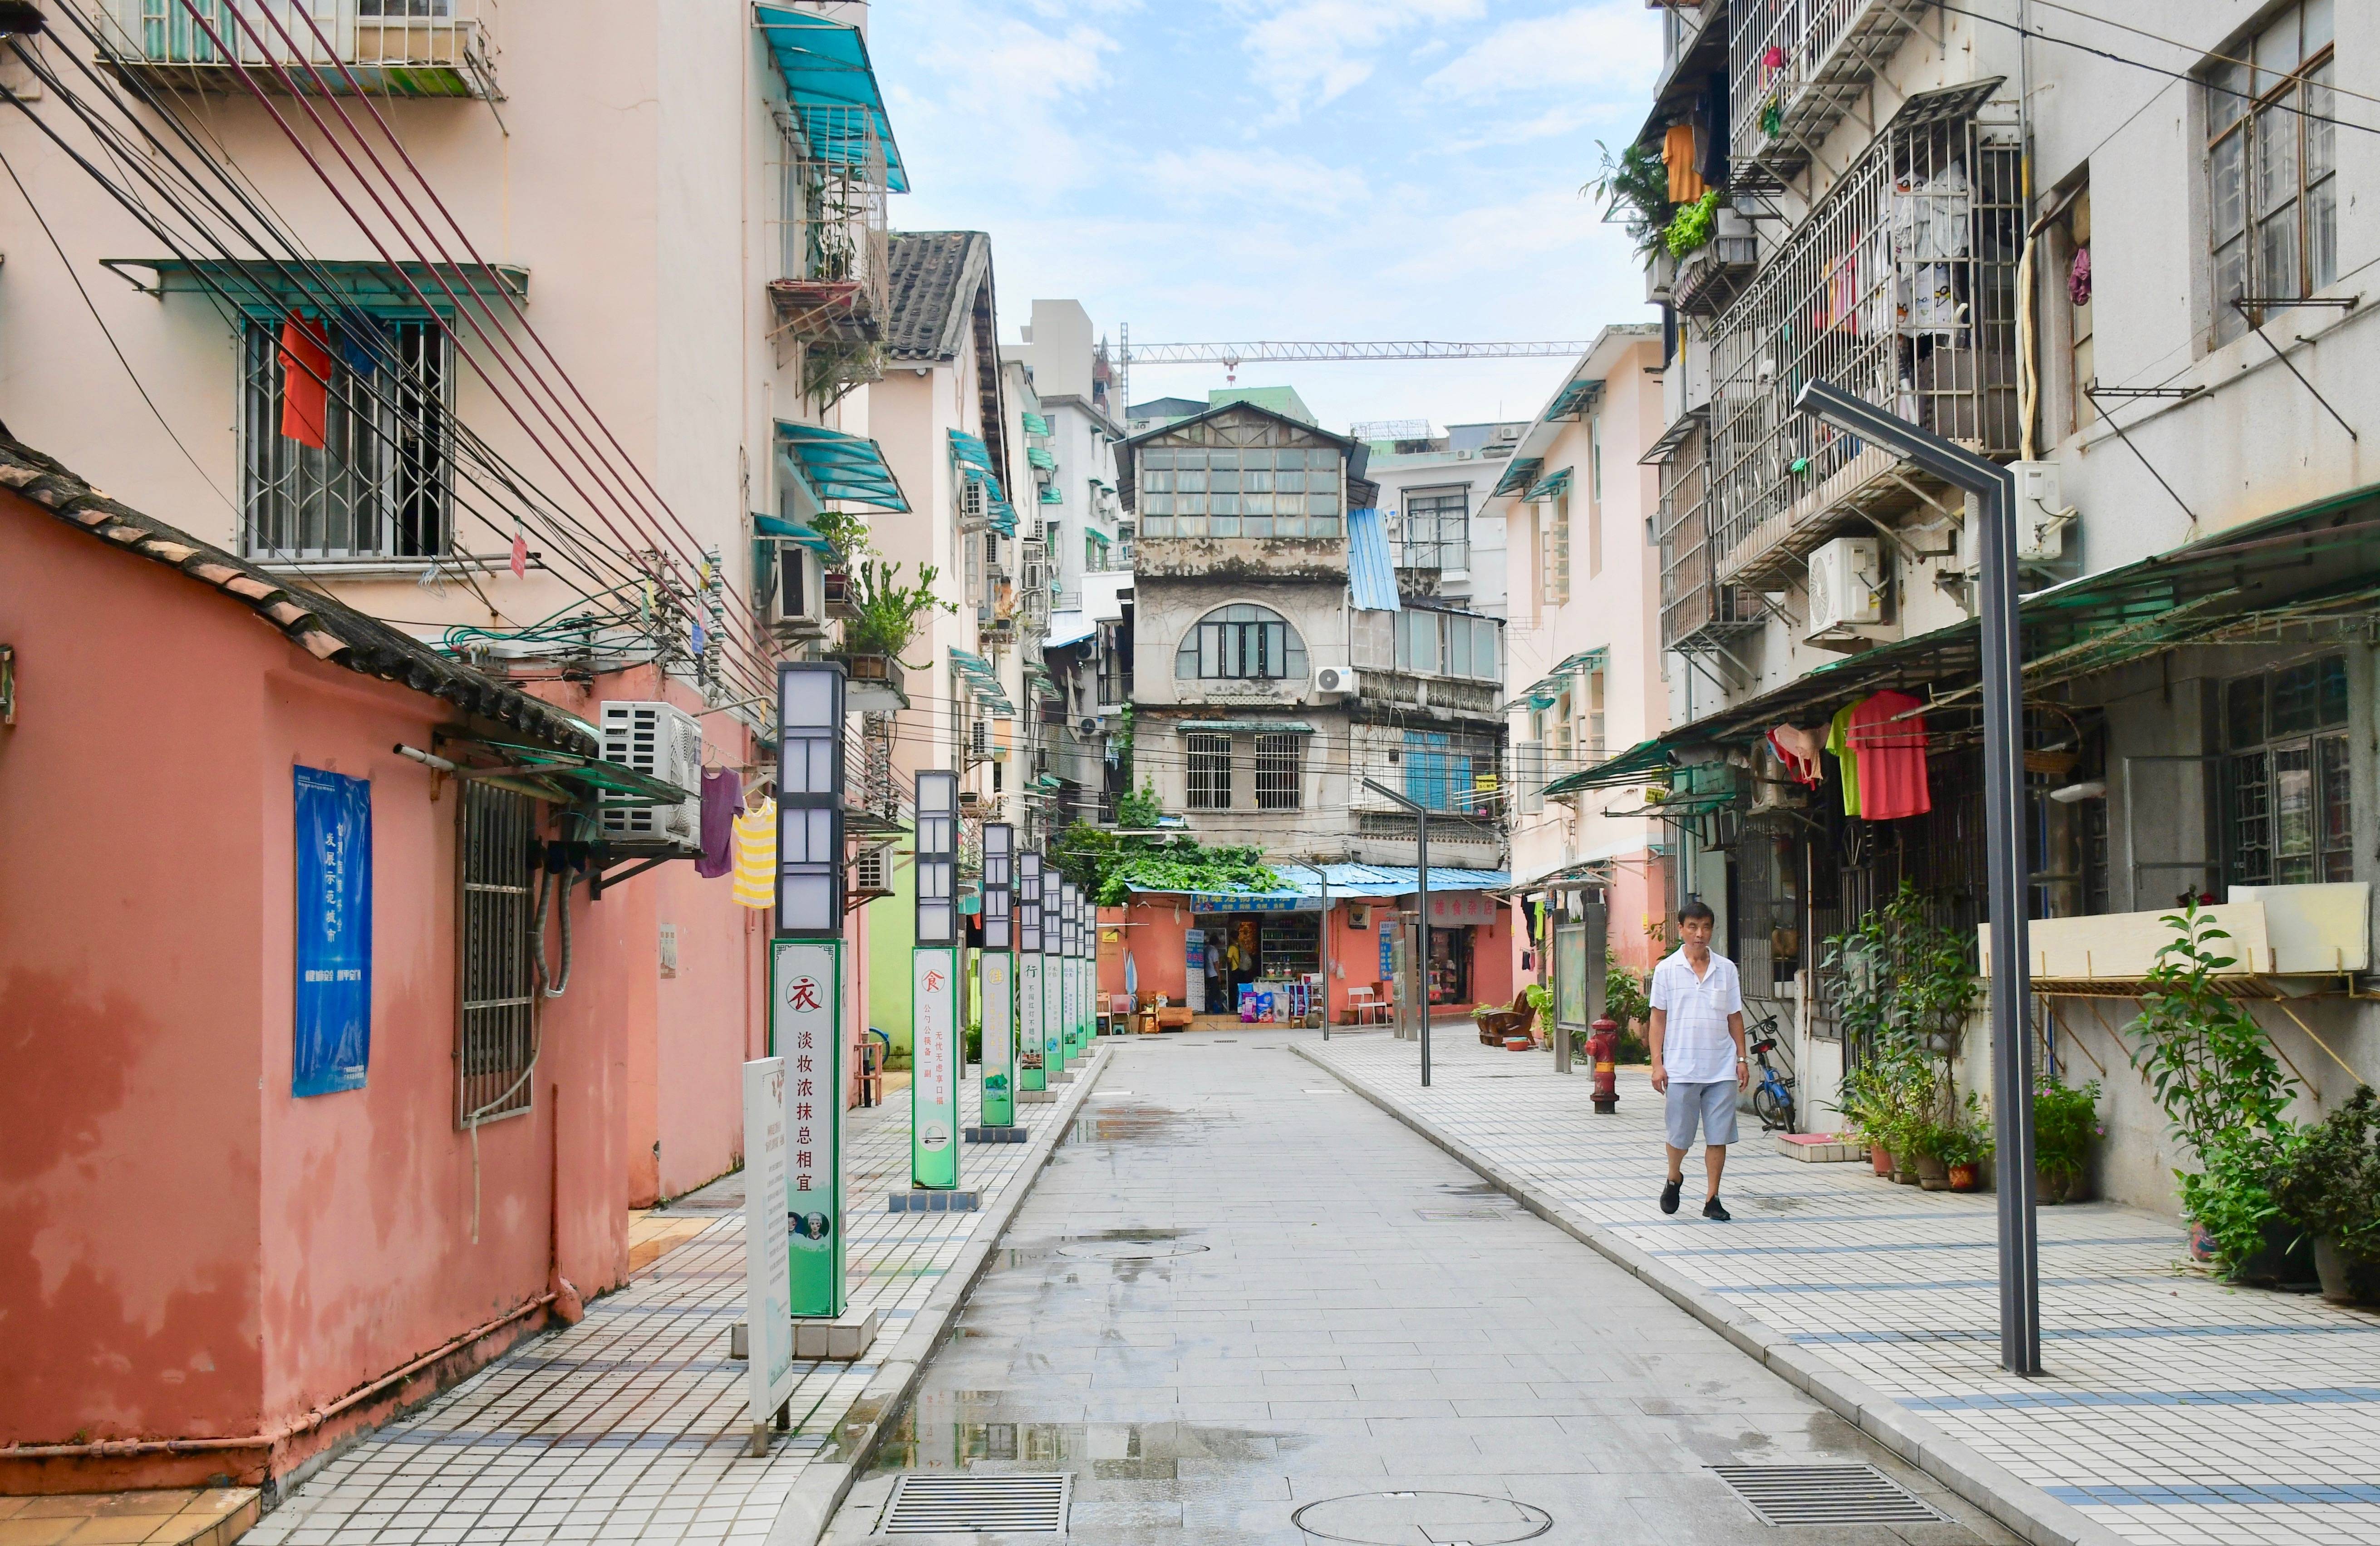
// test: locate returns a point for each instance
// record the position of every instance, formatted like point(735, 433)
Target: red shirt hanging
point(305, 380)
point(1891, 757)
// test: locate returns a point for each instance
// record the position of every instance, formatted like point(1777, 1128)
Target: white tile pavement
point(630, 1426)
point(2172, 1407)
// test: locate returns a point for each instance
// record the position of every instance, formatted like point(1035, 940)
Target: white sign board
point(768, 1289)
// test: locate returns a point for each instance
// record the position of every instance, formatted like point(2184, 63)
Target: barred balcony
point(832, 249)
point(1698, 614)
point(410, 48)
point(1900, 288)
point(1795, 68)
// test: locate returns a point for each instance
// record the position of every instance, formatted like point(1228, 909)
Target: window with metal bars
point(1281, 769)
point(2273, 184)
point(381, 485)
point(1553, 551)
point(2286, 776)
point(1210, 760)
point(496, 1019)
point(1437, 525)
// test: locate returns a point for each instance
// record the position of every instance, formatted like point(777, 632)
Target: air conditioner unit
point(1087, 725)
point(797, 599)
point(2042, 513)
point(665, 742)
point(979, 739)
point(1508, 432)
point(1847, 587)
point(872, 870)
point(1334, 681)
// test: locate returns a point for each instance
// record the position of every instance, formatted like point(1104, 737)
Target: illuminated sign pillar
point(1032, 1073)
point(996, 990)
point(934, 1047)
point(1055, 1034)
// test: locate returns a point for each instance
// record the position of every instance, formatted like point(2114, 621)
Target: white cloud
point(1258, 181)
point(1002, 81)
point(1307, 52)
point(1614, 44)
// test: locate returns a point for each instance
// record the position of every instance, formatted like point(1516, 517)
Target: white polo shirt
point(1696, 1045)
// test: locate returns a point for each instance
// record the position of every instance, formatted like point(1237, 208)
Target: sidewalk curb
point(2015, 1502)
point(810, 1506)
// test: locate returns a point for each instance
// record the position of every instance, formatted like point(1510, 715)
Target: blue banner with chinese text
point(333, 907)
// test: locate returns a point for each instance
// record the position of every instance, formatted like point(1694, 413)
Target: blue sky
point(1359, 169)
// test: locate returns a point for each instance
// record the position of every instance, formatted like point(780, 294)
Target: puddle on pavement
point(951, 1430)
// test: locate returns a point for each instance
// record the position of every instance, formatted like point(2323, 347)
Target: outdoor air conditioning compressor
point(1847, 590)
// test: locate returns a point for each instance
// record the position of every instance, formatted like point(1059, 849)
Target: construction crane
point(1231, 356)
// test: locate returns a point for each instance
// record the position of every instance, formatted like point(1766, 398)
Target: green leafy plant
point(1633, 188)
point(2065, 1124)
point(846, 536)
point(2330, 1184)
point(1965, 1141)
point(1902, 990)
point(1541, 999)
point(1108, 866)
point(1692, 227)
point(890, 613)
point(2231, 1195)
point(1139, 808)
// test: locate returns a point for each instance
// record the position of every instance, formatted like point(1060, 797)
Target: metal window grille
point(2287, 783)
point(1280, 768)
point(1242, 642)
point(1553, 549)
point(1435, 529)
point(496, 1023)
point(1899, 288)
point(1210, 772)
point(830, 222)
point(1796, 67)
point(2272, 171)
point(452, 41)
point(383, 484)
point(1696, 611)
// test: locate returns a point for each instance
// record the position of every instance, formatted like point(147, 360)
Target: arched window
point(1241, 642)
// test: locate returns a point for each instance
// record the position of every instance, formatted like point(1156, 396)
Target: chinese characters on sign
point(768, 1295)
point(997, 1098)
point(335, 928)
point(806, 1032)
point(934, 1104)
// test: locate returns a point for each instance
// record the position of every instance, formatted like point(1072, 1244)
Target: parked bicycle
point(1772, 1093)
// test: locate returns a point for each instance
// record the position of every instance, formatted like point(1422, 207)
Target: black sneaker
point(1717, 1214)
point(1669, 1196)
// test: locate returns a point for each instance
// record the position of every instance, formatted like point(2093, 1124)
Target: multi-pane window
point(2273, 200)
point(1436, 529)
point(1209, 759)
point(1553, 551)
point(1438, 771)
point(382, 484)
point(496, 1026)
point(1240, 492)
point(2287, 774)
point(1241, 643)
point(1448, 643)
point(1279, 772)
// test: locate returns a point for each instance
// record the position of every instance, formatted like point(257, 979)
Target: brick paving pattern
point(2172, 1408)
point(631, 1425)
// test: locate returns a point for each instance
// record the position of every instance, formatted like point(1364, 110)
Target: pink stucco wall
point(186, 1250)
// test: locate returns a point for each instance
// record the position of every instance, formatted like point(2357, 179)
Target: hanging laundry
point(1799, 750)
point(1677, 156)
point(305, 381)
point(756, 856)
point(1839, 741)
point(1891, 752)
point(355, 342)
point(722, 799)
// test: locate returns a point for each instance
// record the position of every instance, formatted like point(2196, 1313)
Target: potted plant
point(1935, 1143)
point(2065, 1123)
point(1691, 229)
point(1633, 188)
point(2226, 1099)
point(2330, 1187)
point(1966, 1148)
point(888, 614)
point(1902, 989)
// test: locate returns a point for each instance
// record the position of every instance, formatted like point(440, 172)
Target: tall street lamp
point(1421, 906)
point(1995, 490)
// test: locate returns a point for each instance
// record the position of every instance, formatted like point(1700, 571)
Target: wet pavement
point(1243, 1305)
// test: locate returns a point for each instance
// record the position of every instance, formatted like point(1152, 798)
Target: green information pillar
point(1074, 973)
point(806, 978)
point(934, 1048)
point(1054, 975)
point(1031, 1073)
point(1087, 946)
point(996, 977)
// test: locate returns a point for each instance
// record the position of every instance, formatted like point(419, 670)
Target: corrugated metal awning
point(1371, 572)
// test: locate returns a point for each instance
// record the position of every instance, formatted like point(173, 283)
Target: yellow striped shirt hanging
point(756, 856)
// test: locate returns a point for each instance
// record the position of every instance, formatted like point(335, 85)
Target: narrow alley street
point(1240, 1292)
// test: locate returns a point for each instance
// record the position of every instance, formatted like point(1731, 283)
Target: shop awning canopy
point(1303, 886)
point(832, 88)
point(1371, 572)
point(2319, 563)
point(840, 466)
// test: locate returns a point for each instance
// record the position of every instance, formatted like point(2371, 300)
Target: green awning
point(832, 88)
point(1035, 425)
point(1585, 660)
point(840, 466)
point(1052, 494)
point(972, 454)
point(580, 777)
point(1248, 726)
point(791, 532)
point(1552, 486)
point(1575, 399)
point(258, 286)
point(983, 681)
point(1518, 476)
point(1042, 456)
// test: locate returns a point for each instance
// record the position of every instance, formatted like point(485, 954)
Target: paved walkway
point(1239, 1290)
point(630, 1426)
point(2173, 1408)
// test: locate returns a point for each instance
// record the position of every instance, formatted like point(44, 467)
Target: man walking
point(1698, 1053)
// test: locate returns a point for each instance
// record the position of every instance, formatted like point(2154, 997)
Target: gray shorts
point(1713, 1105)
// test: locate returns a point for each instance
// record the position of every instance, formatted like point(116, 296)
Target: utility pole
point(1421, 907)
point(2003, 649)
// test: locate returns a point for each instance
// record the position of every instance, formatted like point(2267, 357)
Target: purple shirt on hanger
point(722, 796)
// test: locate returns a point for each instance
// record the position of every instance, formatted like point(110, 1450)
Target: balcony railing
point(416, 48)
point(831, 250)
point(1796, 67)
point(1697, 612)
point(1900, 288)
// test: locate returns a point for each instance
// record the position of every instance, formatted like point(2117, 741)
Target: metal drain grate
point(1825, 1495)
point(1018, 1505)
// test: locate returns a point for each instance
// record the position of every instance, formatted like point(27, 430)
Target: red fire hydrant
point(1604, 1047)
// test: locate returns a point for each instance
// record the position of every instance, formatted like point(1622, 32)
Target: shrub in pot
point(2330, 1190)
point(2065, 1124)
point(1964, 1148)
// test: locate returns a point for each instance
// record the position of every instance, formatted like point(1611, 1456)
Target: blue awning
point(1302, 887)
point(840, 466)
point(1371, 573)
point(791, 532)
point(834, 88)
point(1551, 486)
point(1518, 476)
point(984, 682)
point(1068, 627)
point(1575, 399)
point(971, 454)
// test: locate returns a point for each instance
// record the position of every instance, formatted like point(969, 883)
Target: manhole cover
point(1422, 1519)
point(1441, 1215)
point(1825, 1495)
point(939, 1504)
point(1128, 1250)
